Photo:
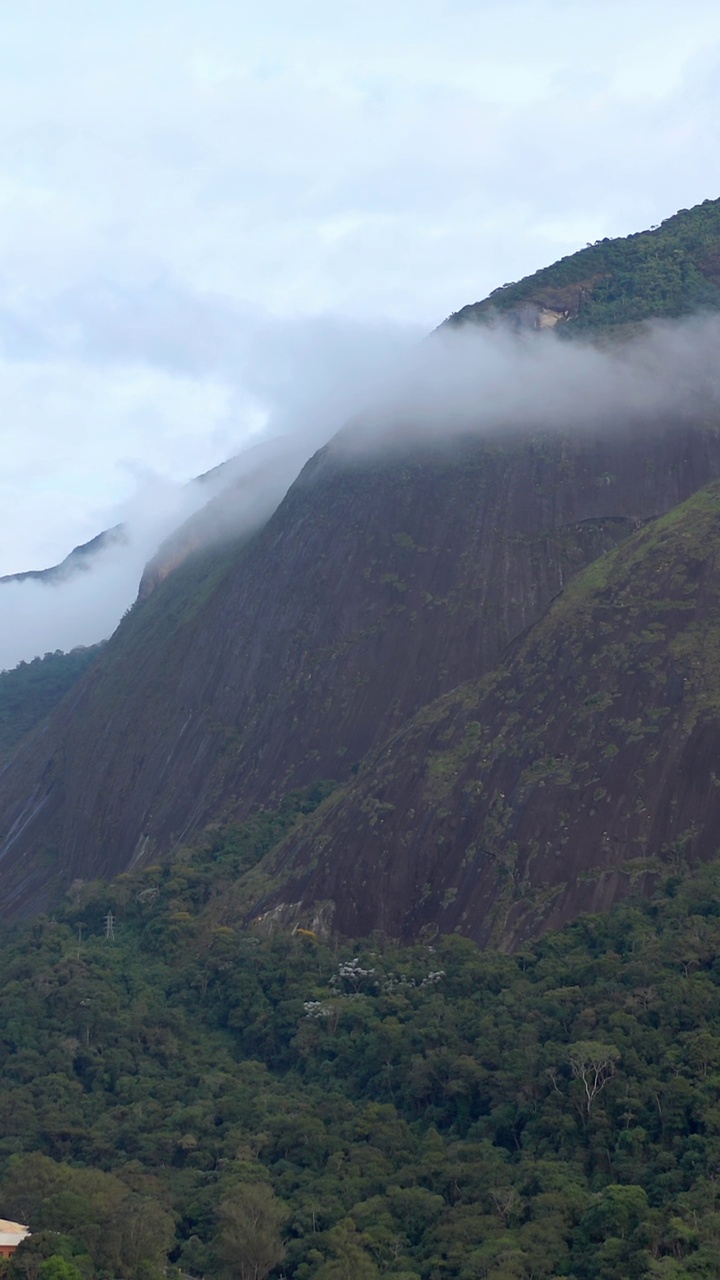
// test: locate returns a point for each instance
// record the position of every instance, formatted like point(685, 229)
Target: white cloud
point(468, 380)
point(114, 381)
point(183, 185)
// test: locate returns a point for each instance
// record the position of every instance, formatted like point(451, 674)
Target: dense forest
point(178, 1086)
point(31, 689)
point(668, 271)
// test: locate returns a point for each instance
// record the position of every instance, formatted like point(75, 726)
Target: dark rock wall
point(376, 587)
point(562, 783)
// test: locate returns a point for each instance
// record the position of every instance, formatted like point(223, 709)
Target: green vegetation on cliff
point(671, 270)
point(30, 690)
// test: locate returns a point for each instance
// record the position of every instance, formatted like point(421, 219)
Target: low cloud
point(390, 395)
point(486, 379)
point(273, 392)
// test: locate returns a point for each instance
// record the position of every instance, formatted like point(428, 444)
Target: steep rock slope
point(375, 588)
point(568, 778)
point(250, 487)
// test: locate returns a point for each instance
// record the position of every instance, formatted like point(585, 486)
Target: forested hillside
point(668, 271)
point(31, 689)
point(250, 1105)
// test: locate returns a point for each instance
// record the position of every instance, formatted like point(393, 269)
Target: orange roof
point(11, 1233)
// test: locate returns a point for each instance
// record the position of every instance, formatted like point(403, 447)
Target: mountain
point(571, 777)
point(80, 560)
point(669, 271)
point(373, 590)
point(239, 493)
point(383, 581)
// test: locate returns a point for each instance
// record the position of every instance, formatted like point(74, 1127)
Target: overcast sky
point(212, 210)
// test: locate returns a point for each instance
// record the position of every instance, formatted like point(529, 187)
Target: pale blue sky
point(199, 200)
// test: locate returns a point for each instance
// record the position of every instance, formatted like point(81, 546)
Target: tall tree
point(249, 1243)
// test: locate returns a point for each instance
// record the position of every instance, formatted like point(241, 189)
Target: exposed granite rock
point(375, 588)
point(562, 783)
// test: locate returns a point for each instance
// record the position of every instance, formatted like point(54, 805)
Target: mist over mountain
point(81, 600)
point(485, 472)
point(468, 380)
point(359, 795)
point(290, 383)
point(300, 381)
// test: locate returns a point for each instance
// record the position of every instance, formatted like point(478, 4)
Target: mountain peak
point(668, 271)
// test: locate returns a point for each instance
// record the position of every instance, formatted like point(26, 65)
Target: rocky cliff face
point(576, 754)
point(566, 780)
point(246, 490)
point(376, 588)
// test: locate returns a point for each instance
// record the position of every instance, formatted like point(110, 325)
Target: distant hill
point(80, 560)
point(254, 479)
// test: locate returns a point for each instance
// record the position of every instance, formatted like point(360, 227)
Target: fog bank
point(472, 380)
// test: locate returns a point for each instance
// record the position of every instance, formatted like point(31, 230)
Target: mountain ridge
point(285, 657)
point(79, 560)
